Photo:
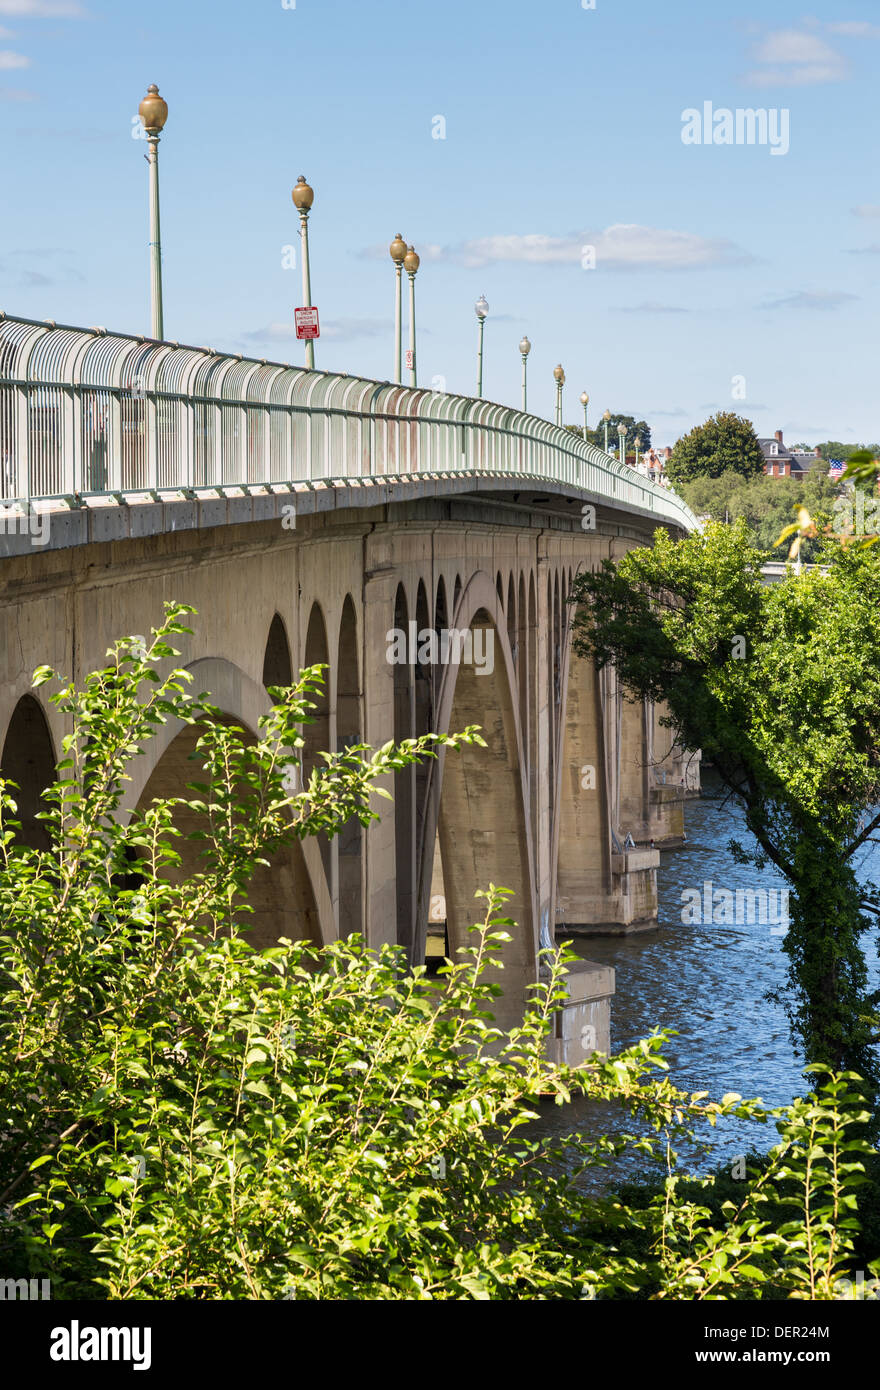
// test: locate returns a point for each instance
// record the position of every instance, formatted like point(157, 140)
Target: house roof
point(804, 461)
point(781, 451)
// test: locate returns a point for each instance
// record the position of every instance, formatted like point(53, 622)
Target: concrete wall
point(524, 812)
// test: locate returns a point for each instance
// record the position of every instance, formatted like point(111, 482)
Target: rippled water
point(706, 981)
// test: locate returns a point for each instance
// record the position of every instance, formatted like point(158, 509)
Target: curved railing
point(86, 412)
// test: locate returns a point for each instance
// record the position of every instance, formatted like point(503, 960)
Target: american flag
point(836, 467)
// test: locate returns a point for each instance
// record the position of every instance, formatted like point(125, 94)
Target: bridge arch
point(441, 612)
point(291, 897)
point(581, 841)
point(277, 664)
point(404, 783)
point(423, 722)
point(28, 760)
point(349, 726)
point(532, 697)
point(475, 803)
point(317, 732)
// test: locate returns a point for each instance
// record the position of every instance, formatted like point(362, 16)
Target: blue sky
point(563, 129)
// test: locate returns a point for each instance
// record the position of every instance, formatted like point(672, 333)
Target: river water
point(708, 981)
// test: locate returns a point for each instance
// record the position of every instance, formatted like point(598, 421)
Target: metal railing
point(86, 412)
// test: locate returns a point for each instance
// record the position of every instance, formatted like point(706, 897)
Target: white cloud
point(810, 75)
point(651, 307)
point(6, 33)
point(792, 58)
point(42, 267)
point(16, 94)
point(355, 328)
point(811, 299)
point(872, 250)
point(792, 46)
point(10, 60)
point(534, 248)
point(276, 332)
point(624, 246)
point(620, 247)
point(854, 29)
point(379, 252)
point(867, 210)
point(339, 329)
point(42, 9)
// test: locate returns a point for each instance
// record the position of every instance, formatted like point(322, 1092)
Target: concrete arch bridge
point(423, 545)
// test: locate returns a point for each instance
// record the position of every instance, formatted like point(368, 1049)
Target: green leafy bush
point(187, 1117)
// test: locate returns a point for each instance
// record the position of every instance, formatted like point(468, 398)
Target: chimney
point(779, 436)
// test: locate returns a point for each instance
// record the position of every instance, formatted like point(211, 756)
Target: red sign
point(409, 358)
point(306, 321)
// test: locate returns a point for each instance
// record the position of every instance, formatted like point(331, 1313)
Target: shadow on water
point(707, 980)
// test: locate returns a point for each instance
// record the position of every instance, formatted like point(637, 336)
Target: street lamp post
point(153, 112)
point(525, 348)
point(397, 250)
point(606, 417)
point(303, 196)
point(481, 308)
point(621, 440)
point(411, 264)
point(585, 401)
point(559, 374)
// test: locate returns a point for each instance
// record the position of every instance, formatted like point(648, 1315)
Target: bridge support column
point(583, 1024)
point(636, 774)
point(544, 733)
point(482, 828)
point(675, 778)
point(603, 887)
point(380, 914)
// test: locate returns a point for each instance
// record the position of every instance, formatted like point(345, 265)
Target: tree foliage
point(187, 1117)
point(637, 431)
point(833, 449)
point(779, 686)
point(724, 443)
point(766, 504)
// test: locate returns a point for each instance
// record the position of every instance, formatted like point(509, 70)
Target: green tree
point(780, 687)
point(725, 443)
point(636, 430)
point(187, 1117)
point(833, 449)
point(767, 504)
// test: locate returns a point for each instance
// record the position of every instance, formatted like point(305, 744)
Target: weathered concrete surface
point(330, 582)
